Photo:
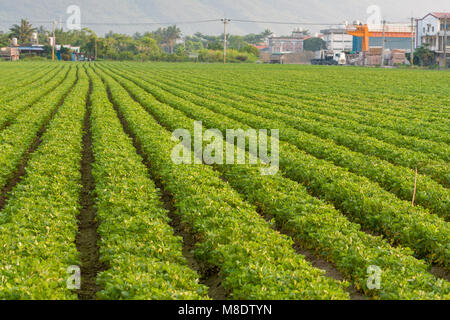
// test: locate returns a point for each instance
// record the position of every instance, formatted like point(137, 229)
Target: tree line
point(163, 44)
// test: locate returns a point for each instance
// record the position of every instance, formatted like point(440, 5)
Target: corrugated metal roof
point(31, 49)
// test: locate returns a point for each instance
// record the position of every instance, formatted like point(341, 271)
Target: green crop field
point(358, 208)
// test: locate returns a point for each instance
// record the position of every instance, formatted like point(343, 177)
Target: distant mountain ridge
point(133, 11)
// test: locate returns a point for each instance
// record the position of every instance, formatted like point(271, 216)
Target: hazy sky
point(117, 12)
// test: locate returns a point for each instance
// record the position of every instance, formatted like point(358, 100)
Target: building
point(68, 47)
point(9, 54)
point(292, 44)
point(397, 36)
point(285, 50)
point(286, 58)
point(430, 30)
point(337, 39)
point(31, 50)
point(260, 46)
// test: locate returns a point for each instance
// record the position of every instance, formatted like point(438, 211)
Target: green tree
point(253, 38)
point(193, 44)
point(251, 50)
point(181, 51)
point(148, 48)
point(236, 42)
point(43, 35)
point(137, 36)
point(423, 56)
point(215, 45)
point(108, 47)
point(4, 40)
point(22, 32)
point(267, 33)
point(172, 34)
point(314, 44)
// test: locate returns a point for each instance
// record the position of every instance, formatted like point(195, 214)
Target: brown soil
point(210, 276)
point(440, 272)
point(87, 237)
point(319, 262)
point(330, 270)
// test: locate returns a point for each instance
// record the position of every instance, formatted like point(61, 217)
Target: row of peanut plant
point(38, 225)
point(254, 261)
point(319, 226)
point(358, 197)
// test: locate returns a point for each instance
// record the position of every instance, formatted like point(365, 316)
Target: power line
point(187, 22)
point(31, 21)
point(150, 23)
point(126, 23)
point(288, 23)
point(155, 23)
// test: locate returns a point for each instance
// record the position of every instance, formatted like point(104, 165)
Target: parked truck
point(329, 58)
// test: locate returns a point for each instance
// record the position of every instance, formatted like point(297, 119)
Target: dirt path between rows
point(87, 237)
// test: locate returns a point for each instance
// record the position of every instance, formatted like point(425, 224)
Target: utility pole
point(412, 41)
point(95, 48)
point(445, 42)
point(332, 42)
point(384, 43)
point(53, 41)
point(225, 22)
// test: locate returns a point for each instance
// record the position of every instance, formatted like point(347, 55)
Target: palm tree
point(267, 33)
point(23, 31)
point(4, 40)
point(172, 34)
point(41, 30)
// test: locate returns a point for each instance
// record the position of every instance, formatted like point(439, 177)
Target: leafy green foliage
point(22, 31)
point(255, 262)
point(307, 134)
point(366, 202)
point(15, 101)
point(137, 242)
point(314, 44)
point(38, 226)
point(17, 138)
point(343, 190)
point(316, 225)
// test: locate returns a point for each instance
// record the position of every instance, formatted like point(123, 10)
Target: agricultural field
point(357, 208)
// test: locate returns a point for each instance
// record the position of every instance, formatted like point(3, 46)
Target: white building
point(337, 39)
point(430, 30)
point(68, 46)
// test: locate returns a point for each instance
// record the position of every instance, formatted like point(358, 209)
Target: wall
point(391, 43)
point(282, 45)
point(339, 41)
point(304, 57)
